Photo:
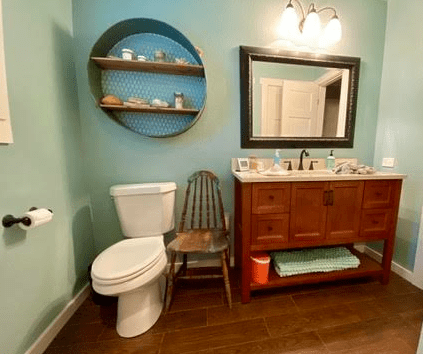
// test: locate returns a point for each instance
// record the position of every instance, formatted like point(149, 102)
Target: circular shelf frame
point(99, 63)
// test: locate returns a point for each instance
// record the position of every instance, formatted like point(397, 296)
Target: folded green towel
point(313, 260)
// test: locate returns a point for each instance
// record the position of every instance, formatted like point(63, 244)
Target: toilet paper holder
point(10, 220)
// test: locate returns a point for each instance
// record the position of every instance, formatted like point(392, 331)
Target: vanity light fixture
point(308, 30)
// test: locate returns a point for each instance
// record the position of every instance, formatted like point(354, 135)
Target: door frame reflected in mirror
point(248, 55)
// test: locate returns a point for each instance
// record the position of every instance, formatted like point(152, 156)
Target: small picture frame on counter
point(243, 164)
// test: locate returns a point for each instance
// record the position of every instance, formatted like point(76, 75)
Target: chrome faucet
point(303, 152)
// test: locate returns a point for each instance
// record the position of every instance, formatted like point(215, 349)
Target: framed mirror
point(296, 99)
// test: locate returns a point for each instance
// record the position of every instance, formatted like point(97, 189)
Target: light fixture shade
point(332, 33)
point(288, 27)
point(312, 28)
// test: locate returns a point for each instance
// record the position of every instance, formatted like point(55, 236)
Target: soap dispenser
point(330, 161)
point(277, 158)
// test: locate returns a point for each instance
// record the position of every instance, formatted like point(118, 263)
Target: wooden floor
point(360, 316)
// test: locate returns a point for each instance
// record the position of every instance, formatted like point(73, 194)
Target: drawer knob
point(374, 222)
point(378, 194)
point(271, 197)
point(269, 228)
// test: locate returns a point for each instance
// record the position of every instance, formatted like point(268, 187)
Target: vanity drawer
point(268, 230)
point(376, 223)
point(271, 198)
point(378, 194)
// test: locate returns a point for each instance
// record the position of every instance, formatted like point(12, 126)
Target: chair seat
point(200, 241)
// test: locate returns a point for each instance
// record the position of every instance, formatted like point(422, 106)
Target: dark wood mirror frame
point(250, 54)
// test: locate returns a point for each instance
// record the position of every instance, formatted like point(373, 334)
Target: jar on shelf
point(253, 160)
point(128, 54)
point(159, 56)
point(179, 100)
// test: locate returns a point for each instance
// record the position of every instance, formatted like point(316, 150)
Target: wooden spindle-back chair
point(202, 229)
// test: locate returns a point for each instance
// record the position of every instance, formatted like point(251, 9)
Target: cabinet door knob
point(378, 194)
point(374, 222)
point(271, 197)
point(269, 228)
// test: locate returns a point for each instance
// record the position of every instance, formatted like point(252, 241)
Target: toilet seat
point(127, 260)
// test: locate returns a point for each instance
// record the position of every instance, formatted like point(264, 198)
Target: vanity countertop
point(316, 175)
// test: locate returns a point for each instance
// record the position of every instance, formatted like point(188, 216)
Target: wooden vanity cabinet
point(288, 215)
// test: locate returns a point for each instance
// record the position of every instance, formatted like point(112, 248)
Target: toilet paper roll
point(37, 217)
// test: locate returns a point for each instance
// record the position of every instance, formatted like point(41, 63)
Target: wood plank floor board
point(187, 340)
point(396, 286)
point(311, 320)
point(258, 309)
point(366, 310)
point(328, 297)
point(299, 343)
point(401, 303)
point(182, 302)
point(79, 333)
point(150, 344)
point(364, 333)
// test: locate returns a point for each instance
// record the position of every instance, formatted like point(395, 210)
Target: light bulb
point(332, 33)
point(288, 28)
point(312, 28)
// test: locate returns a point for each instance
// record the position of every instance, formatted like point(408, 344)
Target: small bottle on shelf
point(179, 100)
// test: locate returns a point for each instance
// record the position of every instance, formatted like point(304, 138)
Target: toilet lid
point(127, 257)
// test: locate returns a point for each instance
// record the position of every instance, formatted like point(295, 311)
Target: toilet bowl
point(131, 269)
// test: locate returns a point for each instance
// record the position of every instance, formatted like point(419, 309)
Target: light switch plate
point(388, 162)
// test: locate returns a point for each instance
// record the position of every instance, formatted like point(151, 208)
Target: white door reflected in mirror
point(299, 101)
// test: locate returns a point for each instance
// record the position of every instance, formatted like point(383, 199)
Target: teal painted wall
point(41, 269)
point(117, 155)
point(400, 122)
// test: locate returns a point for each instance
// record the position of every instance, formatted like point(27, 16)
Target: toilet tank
point(145, 209)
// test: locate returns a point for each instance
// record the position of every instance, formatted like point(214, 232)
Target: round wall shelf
point(182, 71)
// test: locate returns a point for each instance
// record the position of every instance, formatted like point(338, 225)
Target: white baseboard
point(395, 267)
point(44, 340)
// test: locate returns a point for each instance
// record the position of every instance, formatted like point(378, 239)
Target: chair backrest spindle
point(200, 217)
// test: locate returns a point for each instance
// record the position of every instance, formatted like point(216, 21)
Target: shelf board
point(149, 66)
point(184, 111)
point(368, 267)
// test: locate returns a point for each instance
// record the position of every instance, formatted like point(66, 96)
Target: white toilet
point(131, 269)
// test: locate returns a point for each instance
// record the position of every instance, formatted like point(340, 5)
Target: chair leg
point(184, 264)
point(226, 278)
point(228, 258)
point(170, 281)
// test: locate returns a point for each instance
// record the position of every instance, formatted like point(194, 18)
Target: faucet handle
point(289, 165)
point(311, 168)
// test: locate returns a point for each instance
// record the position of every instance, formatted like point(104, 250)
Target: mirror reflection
point(299, 101)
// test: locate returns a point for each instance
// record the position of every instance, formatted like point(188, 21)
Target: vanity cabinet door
point(269, 231)
point(344, 210)
point(308, 211)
